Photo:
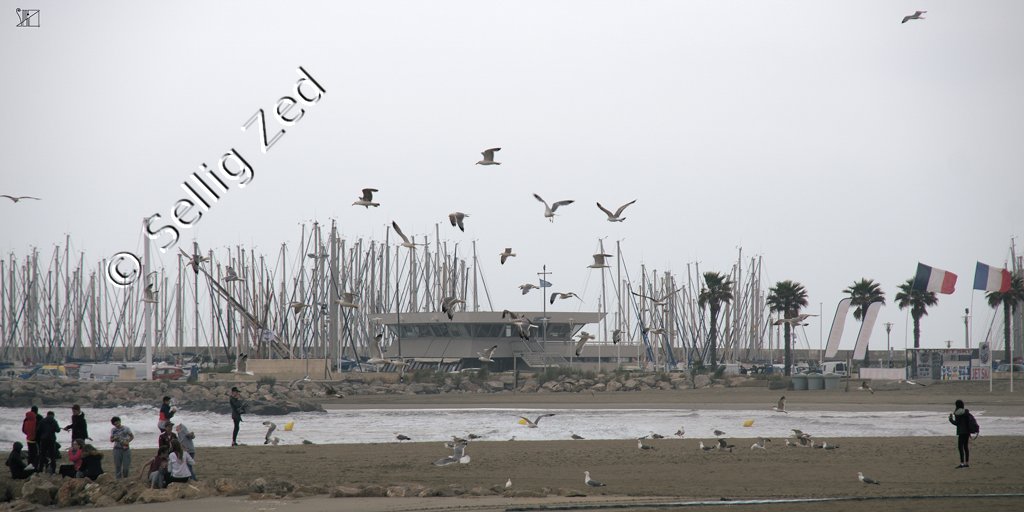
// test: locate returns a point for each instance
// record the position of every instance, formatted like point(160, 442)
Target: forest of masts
point(54, 308)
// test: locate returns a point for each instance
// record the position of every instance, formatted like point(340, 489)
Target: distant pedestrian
point(961, 417)
point(186, 437)
point(48, 448)
point(166, 413)
point(78, 427)
point(122, 437)
point(178, 462)
point(29, 426)
point(16, 463)
point(237, 410)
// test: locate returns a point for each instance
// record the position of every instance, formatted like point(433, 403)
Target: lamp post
point(967, 328)
point(888, 329)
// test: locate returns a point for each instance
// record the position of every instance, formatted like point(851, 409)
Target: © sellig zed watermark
point(27, 18)
point(205, 187)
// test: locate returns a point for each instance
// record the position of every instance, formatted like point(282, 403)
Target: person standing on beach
point(78, 427)
point(166, 413)
point(237, 410)
point(46, 434)
point(122, 437)
point(185, 437)
point(29, 427)
point(961, 418)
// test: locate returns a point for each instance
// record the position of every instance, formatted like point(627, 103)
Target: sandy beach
point(912, 471)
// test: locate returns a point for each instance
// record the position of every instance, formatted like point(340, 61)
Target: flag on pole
point(991, 279)
point(933, 279)
point(544, 284)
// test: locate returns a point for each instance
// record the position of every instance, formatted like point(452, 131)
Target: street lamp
point(888, 329)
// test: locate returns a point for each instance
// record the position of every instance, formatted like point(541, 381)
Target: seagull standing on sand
point(271, 427)
point(489, 157)
point(508, 483)
point(560, 295)
point(617, 216)
point(533, 424)
point(525, 287)
point(584, 338)
point(680, 433)
point(706, 448)
point(723, 445)
point(760, 444)
point(405, 240)
point(549, 211)
point(781, 406)
point(640, 445)
point(456, 219)
point(367, 199)
point(915, 16)
point(506, 254)
point(448, 305)
point(590, 481)
point(485, 356)
point(866, 479)
point(458, 455)
point(19, 198)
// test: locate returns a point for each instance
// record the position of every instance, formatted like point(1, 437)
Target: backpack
point(972, 424)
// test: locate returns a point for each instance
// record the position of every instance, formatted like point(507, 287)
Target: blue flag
point(544, 284)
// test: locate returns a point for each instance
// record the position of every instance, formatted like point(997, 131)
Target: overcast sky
point(826, 137)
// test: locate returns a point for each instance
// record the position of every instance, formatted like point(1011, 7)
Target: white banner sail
point(866, 326)
point(835, 334)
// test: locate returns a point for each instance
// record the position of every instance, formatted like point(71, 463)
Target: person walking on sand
point(78, 427)
point(237, 410)
point(122, 437)
point(961, 418)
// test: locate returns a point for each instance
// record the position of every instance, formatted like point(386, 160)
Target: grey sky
point(825, 136)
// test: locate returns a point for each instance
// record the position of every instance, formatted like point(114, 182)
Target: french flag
point(991, 279)
point(932, 279)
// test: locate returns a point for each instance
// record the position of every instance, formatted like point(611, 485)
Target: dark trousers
point(33, 454)
point(234, 433)
point(47, 460)
point(962, 444)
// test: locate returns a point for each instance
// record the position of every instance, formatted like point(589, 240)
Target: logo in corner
point(27, 17)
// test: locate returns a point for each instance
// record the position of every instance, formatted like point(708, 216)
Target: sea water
point(501, 424)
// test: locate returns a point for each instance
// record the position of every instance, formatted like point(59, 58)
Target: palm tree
point(918, 301)
point(717, 292)
point(787, 297)
point(863, 293)
point(1009, 300)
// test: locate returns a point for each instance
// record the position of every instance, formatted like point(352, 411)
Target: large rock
point(40, 489)
point(701, 381)
point(495, 385)
point(72, 492)
point(156, 496)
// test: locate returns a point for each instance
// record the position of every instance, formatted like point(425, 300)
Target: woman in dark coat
point(961, 418)
point(92, 462)
point(16, 462)
point(78, 427)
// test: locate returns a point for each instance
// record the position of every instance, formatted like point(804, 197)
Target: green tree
point(1009, 300)
point(862, 294)
point(787, 297)
point(718, 291)
point(918, 301)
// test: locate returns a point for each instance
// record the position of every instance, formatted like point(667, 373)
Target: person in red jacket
point(29, 427)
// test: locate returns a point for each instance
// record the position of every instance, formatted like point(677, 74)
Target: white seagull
point(640, 445)
point(448, 305)
point(584, 338)
point(485, 356)
point(590, 481)
point(367, 199)
point(405, 240)
point(458, 455)
point(19, 198)
point(599, 261)
point(706, 448)
point(781, 406)
point(230, 275)
point(549, 210)
point(794, 321)
point(760, 444)
point(658, 301)
point(915, 16)
point(508, 483)
point(527, 287)
point(347, 300)
point(533, 424)
point(560, 295)
point(867, 480)
point(271, 427)
point(523, 324)
point(506, 254)
point(456, 219)
point(489, 157)
point(615, 217)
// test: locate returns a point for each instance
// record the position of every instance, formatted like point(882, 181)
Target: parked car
point(169, 373)
point(1017, 368)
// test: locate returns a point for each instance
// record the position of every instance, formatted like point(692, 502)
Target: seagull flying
point(584, 338)
point(367, 199)
point(230, 275)
point(866, 479)
point(915, 16)
point(405, 240)
point(590, 481)
point(533, 424)
point(599, 261)
point(506, 254)
point(19, 198)
point(523, 324)
point(794, 321)
point(297, 307)
point(781, 406)
point(549, 211)
point(347, 300)
point(456, 219)
point(681, 432)
point(615, 217)
point(149, 294)
point(527, 287)
point(560, 295)
point(271, 427)
point(658, 301)
point(485, 356)
point(489, 157)
point(194, 260)
point(448, 305)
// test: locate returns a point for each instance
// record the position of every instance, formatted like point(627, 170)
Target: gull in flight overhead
point(641, 446)
point(617, 216)
point(523, 420)
point(866, 479)
point(794, 321)
point(367, 199)
point(584, 338)
point(560, 295)
point(599, 261)
point(347, 300)
point(405, 240)
point(271, 427)
point(616, 336)
point(549, 211)
point(590, 481)
point(448, 305)
point(379, 358)
point(456, 219)
point(915, 16)
point(527, 287)
point(781, 406)
point(485, 356)
point(658, 301)
point(19, 198)
point(230, 275)
point(506, 254)
point(458, 455)
point(489, 157)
